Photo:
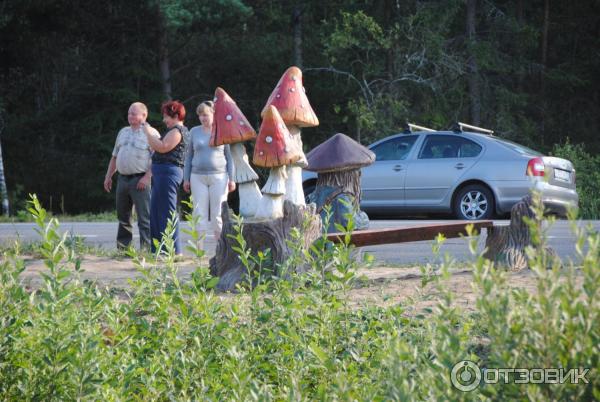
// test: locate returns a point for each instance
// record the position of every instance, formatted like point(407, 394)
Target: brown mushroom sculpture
point(231, 127)
point(337, 162)
point(274, 150)
point(290, 99)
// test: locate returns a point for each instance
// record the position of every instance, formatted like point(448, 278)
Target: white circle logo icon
point(465, 376)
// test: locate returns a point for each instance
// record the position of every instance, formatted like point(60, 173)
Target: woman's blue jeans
point(166, 179)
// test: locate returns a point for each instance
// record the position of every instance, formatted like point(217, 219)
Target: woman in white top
point(208, 173)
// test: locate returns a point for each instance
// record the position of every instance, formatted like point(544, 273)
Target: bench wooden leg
point(506, 244)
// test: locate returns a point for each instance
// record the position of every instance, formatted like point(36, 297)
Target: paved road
point(560, 237)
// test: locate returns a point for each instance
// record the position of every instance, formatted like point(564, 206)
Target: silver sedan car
point(472, 175)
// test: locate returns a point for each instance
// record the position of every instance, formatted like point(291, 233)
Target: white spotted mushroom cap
point(274, 146)
point(290, 99)
point(229, 123)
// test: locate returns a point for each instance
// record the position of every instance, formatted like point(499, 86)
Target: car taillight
point(535, 167)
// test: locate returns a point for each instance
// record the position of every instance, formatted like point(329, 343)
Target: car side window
point(394, 149)
point(438, 146)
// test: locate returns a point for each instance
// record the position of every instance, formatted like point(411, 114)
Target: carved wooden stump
point(506, 244)
point(260, 236)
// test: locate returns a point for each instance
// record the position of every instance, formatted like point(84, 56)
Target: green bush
point(297, 338)
point(587, 168)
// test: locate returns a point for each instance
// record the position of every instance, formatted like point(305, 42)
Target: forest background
point(70, 69)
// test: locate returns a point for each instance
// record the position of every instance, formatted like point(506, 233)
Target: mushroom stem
point(294, 191)
point(271, 203)
point(293, 186)
point(297, 141)
point(243, 172)
point(276, 182)
point(348, 181)
point(271, 207)
point(246, 177)
point(250, 198)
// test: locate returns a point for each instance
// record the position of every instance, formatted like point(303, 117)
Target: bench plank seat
point(371, 237)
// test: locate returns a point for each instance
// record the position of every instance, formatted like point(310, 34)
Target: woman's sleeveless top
point(176, 156)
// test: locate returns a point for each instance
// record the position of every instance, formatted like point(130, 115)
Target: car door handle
point(398, 168)
point(459, 166)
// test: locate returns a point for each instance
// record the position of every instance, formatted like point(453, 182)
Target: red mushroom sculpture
point(231, 127)
point(290, 99)
point(274, 149)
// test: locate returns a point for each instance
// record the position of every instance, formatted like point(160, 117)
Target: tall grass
point(24, 216)
point(293, 337)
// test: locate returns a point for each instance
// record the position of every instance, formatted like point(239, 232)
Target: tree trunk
point(297, 24)
point(473, 74)
point(520, 12)
point(389, 15)
point(260, 236)
point(520, 17)
point(3, 188)
point(163, 55)
point(545, 35)
point(543, 71)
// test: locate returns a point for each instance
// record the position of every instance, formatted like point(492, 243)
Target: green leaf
point(212, 282)
point(318, 352)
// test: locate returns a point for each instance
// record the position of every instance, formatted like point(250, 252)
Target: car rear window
point(523, 150)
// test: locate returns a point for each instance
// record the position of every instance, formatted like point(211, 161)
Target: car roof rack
point(409, 127)
point(458, 128)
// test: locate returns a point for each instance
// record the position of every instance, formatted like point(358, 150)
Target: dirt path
point(106, 271)
point(382, 286)
point(393, 286)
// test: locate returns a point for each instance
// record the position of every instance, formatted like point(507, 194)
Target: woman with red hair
point(167, 171)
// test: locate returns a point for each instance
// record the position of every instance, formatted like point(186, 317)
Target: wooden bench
point(504, 244)
point(371, 237)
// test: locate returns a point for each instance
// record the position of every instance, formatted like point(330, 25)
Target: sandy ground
point(383, 286)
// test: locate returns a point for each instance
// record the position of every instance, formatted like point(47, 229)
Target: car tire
point(308, 189)
point(474, 202)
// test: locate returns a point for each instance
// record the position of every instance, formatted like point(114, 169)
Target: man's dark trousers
point(129, 196)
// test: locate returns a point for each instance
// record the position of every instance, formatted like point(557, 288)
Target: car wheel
point(474, 202)
point(308, 189)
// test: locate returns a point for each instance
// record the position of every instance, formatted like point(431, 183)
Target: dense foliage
point(299, 338)
point(587, 169)
point(69, 70)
